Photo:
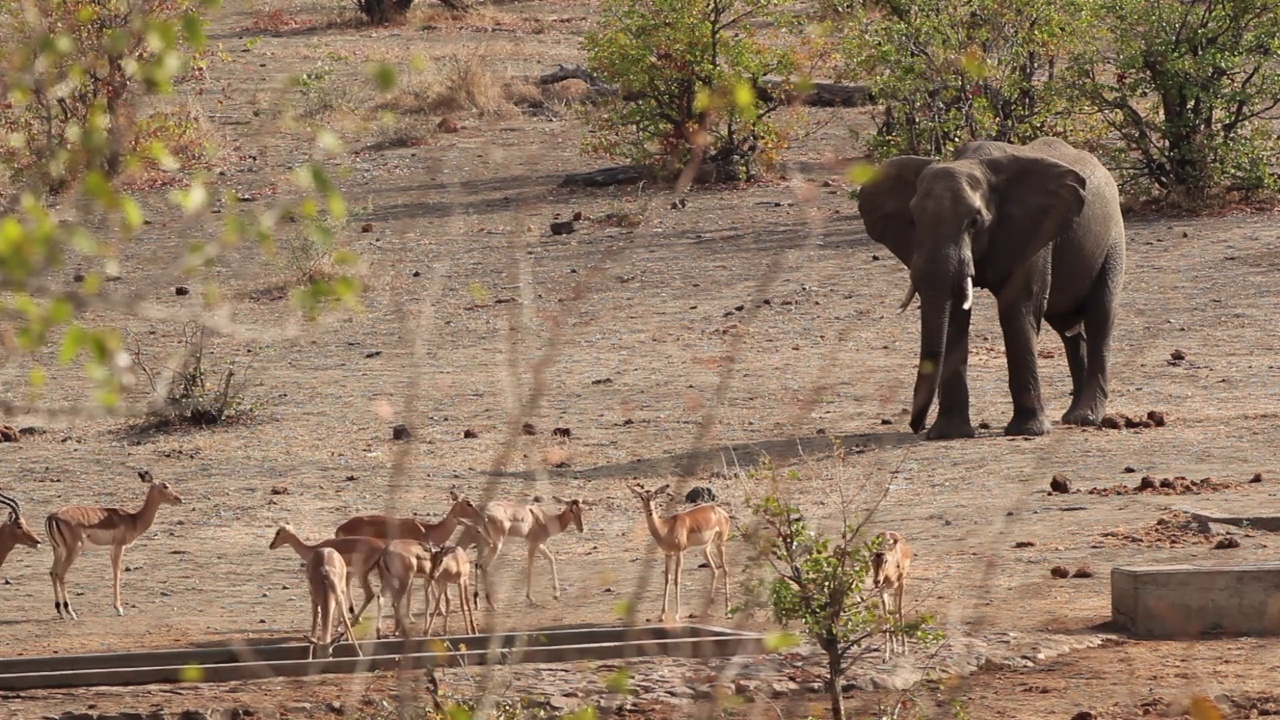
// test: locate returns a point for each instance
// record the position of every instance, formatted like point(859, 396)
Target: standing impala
point(14, 531)
point(69, 528)
point(700, 526)
point(508, 519)
point(385, 527)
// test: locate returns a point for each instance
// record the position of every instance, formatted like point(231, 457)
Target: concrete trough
point(244, 662)
point(1191, 601)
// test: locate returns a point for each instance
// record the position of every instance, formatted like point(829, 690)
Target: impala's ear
point(662, 490)
point(636, 489)
point(453, 495)
point(559, 499)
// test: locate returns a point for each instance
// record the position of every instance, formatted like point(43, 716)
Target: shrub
point(688, 74)
point(945, 73)
point(86, 62)
point(467, 85)
point(189, 393)
point(821, 582)
point(1186, 87)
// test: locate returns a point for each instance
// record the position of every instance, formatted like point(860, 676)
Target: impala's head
point(163, 490)
point(647, 496)
point(15, 527)
point(574, 507)
point(282, 535)
point(462, 507)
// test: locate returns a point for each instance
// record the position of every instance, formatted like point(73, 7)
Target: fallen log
point(606, 177)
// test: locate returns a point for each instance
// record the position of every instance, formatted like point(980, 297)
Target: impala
point(889, 565)
point(14, 531)
point(327, 581)
point(507, 519)
point(392, 528)
point(703, 526)
point(69, 528)
point(359, 553)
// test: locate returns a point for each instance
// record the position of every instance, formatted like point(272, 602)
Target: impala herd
point(400, 550)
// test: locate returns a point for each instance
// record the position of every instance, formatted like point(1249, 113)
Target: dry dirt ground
point(755, 321)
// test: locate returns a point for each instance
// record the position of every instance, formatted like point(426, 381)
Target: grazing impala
point(701, 526)
point(889, 565)
point(360, 554)
point(69, 528)
point(327, 581)
point(14, 531)
point(450, 565)
point(393, 528)
point(537, 526)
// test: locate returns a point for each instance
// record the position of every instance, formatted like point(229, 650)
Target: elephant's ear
point(1037, 200)
point(885, 203)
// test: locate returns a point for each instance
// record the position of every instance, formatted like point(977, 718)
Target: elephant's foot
point(1087, 417)
point(1029, 425)
point(950, 428)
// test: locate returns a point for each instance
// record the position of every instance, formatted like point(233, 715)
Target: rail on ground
point(240, 661)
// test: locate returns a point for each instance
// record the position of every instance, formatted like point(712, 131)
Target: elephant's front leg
point(1020, 321)
point(953, 386)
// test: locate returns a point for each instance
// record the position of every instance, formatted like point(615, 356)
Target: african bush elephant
point(1039, 225)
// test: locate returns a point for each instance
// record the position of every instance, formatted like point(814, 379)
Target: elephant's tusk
point(968, 293)
point(906, 302)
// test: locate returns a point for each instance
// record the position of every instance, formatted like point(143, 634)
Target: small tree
point(1187, 88)
point(945, 73)
point(688, 76)
point(823, 583)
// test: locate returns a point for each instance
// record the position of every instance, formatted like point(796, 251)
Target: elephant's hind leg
point(1090, 404)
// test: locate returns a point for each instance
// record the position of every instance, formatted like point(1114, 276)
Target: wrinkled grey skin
point(1038, 225)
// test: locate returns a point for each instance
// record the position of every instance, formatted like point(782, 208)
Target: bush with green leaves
point(73, 145)
point(945, 73)
point(1191, 90)
point(823, 583)
point(688, 80)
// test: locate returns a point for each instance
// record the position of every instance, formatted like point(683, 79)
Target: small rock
point(373, 353)
point(1084, 715)
point(563, 703)
point(886, 421)
point(351, 478)
point(1156, 417)
point(700, 494)
point(984, 425)
point(181, 290)
point(279, 490)
point(561, 432)
point(603, 381)
point(470, 434)
point(1257, 478)
point(366, 228)
point(1084, 571)
point(448, 125)
point(1060, 571)
point(1148, 483)
point(416, 273)
point(1024, 544)
point(1227, 543)
point(1060, 484)
point(78, 277)
point(1111, 422)
point(31, 430)
point(1129, 469)
point(401, 432)
point(1178, 354)
point(528, 429)
point(563, 228)
point(578, 216)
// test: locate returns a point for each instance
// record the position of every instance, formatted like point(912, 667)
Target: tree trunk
point(834, 682)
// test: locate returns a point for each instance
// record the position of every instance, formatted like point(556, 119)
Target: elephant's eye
point(973, 222)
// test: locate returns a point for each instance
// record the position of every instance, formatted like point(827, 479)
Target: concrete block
point(1188, 601)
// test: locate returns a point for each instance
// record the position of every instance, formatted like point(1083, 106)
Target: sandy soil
point(666, 363)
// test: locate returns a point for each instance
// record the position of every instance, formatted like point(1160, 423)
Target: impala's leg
point(468, 612)
point(715, 575)
point(487, 567)
point(897, 605)
point(666, 583)
point(117, 558)
point(555, 576)
point(55, 576)
point(351, 633)
point(369, 595)
point(448, 607)
point(888, 619)
point(528, 580)
point(431, 611)
point(679, 578)
point(69, 555)
point(724, 567)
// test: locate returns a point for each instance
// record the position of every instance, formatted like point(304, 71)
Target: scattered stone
point(561, 432)
point(1257, 477)
point(448, 125)
point(563, 228)
point(700, 494)
point(1060, 484)
point(366, 228)
point(470, 434)
point(1157, 418)
point(9, 433)
point(1060, 571)
point(528, 429)
point(886, 421)
point(603, 381)
point(78, 277)
point(1228, 542)
point(1178, 354)
point(181, 290)
point(1084, 571)
point(1111, 422)
point(37, 430)
point(578, 216)
point(351, 478)
point(279, 490)
point(1084, 715)
point(401, 432)
point(1178, 485)
point(1024, 544)
point(373, 353)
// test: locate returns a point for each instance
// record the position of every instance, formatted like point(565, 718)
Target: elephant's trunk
point(935, 314)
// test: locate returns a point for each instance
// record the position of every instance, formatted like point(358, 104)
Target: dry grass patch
point(466, 85)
